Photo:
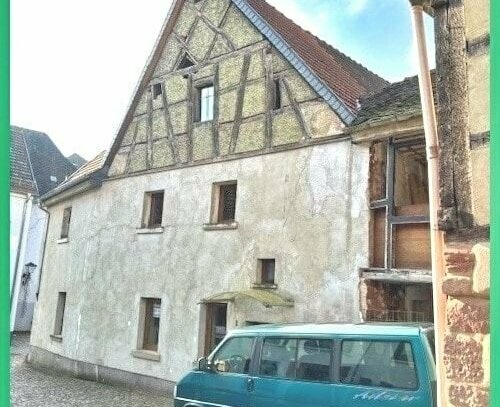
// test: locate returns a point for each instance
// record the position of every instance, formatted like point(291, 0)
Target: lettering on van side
point(384, 396)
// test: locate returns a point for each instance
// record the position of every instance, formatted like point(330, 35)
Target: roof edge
point(337, 104)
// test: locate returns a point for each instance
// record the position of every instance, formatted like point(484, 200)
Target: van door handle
point(250, 385)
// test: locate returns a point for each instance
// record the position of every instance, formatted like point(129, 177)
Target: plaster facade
point(307, 208)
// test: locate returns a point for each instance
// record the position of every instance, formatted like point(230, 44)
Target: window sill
point(56, 338)
point(260, 286)
point(63, 240)
point(220, 226)
point(150, 231)
point(146, 354)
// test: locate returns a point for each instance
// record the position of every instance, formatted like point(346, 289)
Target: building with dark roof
point(76, 160)
point(37, 166)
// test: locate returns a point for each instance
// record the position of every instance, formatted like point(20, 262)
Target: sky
point(75, 64)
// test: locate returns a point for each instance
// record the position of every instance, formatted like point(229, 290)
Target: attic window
point(185, 62)
point(157, 91)
point(53, 178)
point(277, 94)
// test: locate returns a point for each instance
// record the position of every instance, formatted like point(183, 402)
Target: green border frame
point(4, 204)
point(495, 201)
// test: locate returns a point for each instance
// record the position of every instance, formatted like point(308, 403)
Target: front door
point(216, 326)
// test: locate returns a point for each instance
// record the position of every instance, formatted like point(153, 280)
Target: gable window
point(65, 223)
point(277, 94)
point(267, 269)
point(185, 62)
point(61, 305)
point(224, 202)
point(157, 90)
point(153, 209)
point(399, 195)
point(149, 325)
point(205, 103)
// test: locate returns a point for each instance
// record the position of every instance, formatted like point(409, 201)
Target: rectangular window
point(153, 209)
point(224, 202)
point(205, 103)
point(277, 94)
point(65, 223)
point(278, 357)
point(399, 195)
point(267, 271)
point(314, 359)
point(378, 364)
point(157, 90)
point(151, 311)
point(234, 356)
point(61, 305)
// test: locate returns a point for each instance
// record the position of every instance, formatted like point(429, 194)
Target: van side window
point(278, 357)
point(378, 364)
point(314, 358)
point(234, 356)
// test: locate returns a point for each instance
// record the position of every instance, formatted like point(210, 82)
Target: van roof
point(366, 328)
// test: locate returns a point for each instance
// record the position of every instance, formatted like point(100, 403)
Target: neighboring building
point(77, 160)
point(463, 118)
point(37, 166)
point(232, 195)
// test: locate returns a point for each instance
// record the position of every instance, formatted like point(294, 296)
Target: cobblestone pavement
point(33, 388)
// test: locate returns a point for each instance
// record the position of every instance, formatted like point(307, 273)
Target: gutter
point(433, 153)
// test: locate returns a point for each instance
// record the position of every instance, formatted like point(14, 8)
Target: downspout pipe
point(433, 153)
point(44, 245)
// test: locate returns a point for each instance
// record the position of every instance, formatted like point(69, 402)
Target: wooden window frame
point(387, 203)
point(145, 321)
point(218, 203)
point(197, 102)
point(66, 222)
point(147, 221)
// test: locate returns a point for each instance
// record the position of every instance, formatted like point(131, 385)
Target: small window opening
point(205, 103)
point(224, 202)
point(53, 178)
point(157, 90)
point(61, 305)
point(277, 94)
point(151, 312)
point(66, 222)
point(153, 210)
point(186, 62)
point(267, 271)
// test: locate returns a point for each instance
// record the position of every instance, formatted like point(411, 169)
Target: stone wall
point(462, 45)
point(229, 52)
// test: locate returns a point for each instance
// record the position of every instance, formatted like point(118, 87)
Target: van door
point(382, 372)
point(293, 373)
point(227, 383)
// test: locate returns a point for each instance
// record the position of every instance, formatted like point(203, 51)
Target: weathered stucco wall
point(230, 53)
point(305, 207)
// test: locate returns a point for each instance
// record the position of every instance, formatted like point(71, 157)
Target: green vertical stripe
point(495, 202)
point(4, 203)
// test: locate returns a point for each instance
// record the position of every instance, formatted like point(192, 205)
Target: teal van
point(304, 365)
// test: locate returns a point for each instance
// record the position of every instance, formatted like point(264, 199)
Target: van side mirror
point(204, 365)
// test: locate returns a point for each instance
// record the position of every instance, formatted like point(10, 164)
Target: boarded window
point(267, 271)
point(277, 94)
point(65, 223)
point(61, 305)
point(399, 196)
point(153, 209)
point(205, 103)
point(151, 308)
point(225, 202)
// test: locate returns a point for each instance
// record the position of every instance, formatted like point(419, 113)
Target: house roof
point(77, 160)
point(348, 79)
point(397, 101)
point(91, 169)
point(39, 163)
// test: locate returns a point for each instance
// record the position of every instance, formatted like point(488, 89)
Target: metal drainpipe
point(432, 147)
point(40, 268)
